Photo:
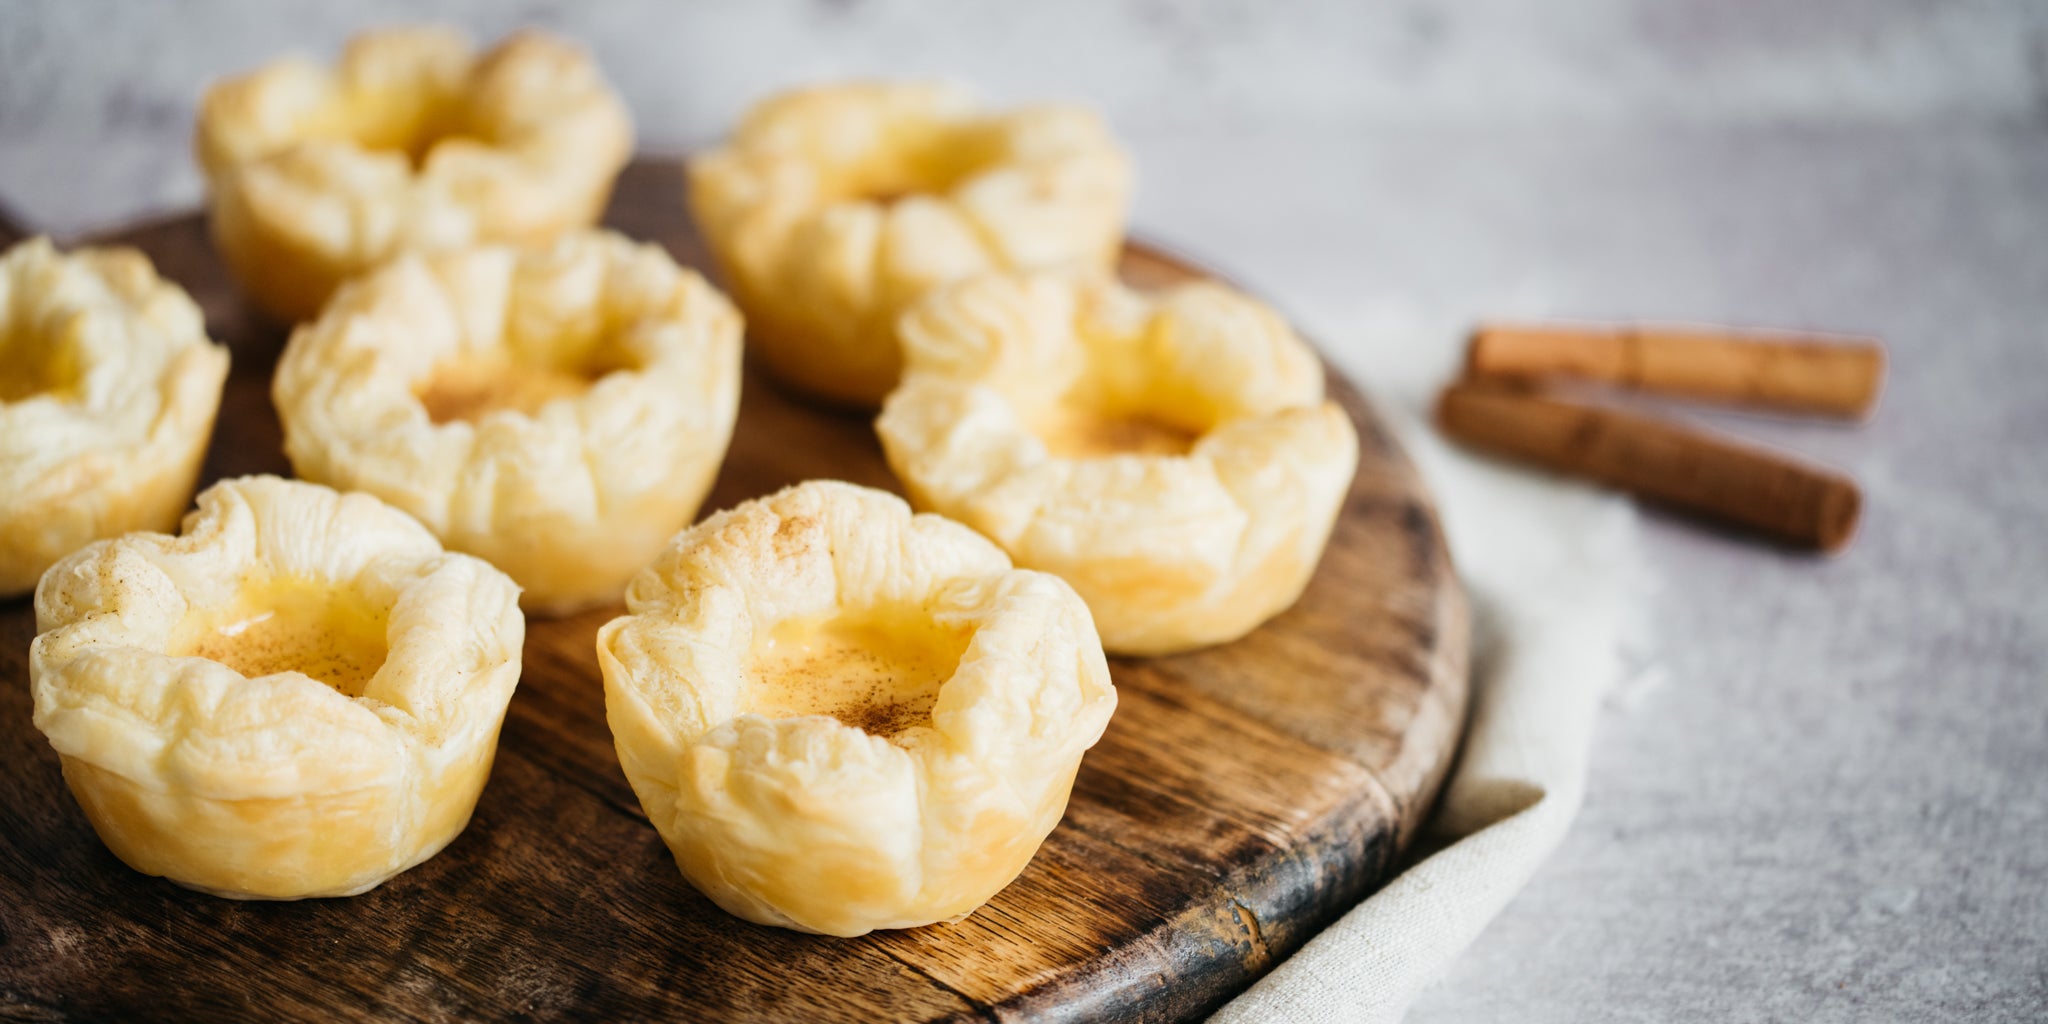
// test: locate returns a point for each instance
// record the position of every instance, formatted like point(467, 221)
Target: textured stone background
point(1825, 796)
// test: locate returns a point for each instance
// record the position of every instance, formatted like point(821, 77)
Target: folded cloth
point(1549, 567)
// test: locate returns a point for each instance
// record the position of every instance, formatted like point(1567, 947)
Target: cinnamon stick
point(1799, 504)
point(1826, 375)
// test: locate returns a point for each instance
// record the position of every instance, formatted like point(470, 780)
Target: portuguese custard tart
point(560, 412)
point(413, 142)
point(298, 696)
point(108, 391)
point(832, 208)
point(1172, 457)
point(844, 717)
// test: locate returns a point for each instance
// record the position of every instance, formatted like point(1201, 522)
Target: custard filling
point(878, 674)
point(1076, 431)
point(929, 162)
point(290, 624)
point(32, 365)
point(470, 387)
point(409, 123)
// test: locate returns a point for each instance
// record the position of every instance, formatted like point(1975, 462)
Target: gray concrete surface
point(1825, 794)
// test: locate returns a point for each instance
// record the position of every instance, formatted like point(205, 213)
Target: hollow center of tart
point(926, 163)
point(287, 624)
point(893, 185)
point(471, 387)
point(879, 674)
point(30, 365)
point(1087, 430)
point(411, 122)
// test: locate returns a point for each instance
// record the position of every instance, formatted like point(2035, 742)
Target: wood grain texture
point(1242, 798)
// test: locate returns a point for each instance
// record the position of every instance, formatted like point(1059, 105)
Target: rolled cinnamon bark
point(1785, 371)
point(1799, 504)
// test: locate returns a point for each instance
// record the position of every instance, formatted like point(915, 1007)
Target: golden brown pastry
point(411, 143)
point(299, 696)
point(560, 412)
point(832, 208)
point(1173, 457)
point(842, 717)
point(108, 390)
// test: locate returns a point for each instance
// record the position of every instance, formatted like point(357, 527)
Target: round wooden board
point(1242, 798)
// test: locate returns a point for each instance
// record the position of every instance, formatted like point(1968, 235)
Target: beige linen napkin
point(1550, 567)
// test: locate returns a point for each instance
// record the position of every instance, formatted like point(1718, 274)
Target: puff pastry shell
point(279, 786)
point(412, 142)
point(560, 412)
point(832, 208)
point(1173, 457)
point(108, 391)
point(828, 821)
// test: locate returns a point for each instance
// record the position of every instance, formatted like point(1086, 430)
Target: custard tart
point(842, 716)
point(832, 208)
point(1171, 456)
point(413, 142)
point(559, 412)
point(297, 696)
point(108, 392)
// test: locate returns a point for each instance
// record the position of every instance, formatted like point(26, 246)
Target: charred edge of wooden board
point(1260, 909)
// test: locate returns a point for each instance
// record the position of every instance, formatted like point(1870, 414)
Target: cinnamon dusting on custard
point(880, 675)
point(291, 625)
